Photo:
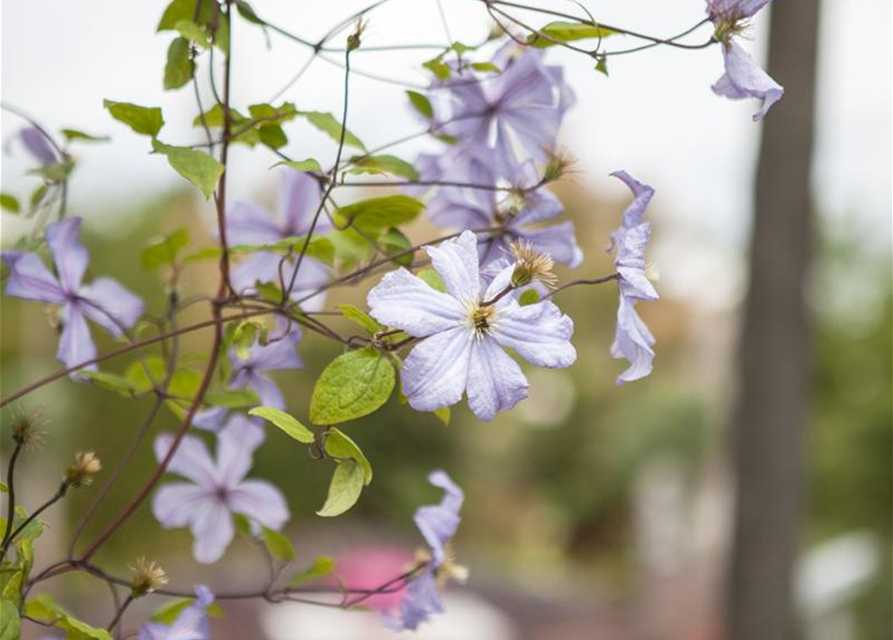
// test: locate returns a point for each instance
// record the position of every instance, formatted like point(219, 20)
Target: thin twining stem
point(575, 283)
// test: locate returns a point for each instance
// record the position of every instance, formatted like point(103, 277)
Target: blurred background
point(740, 490)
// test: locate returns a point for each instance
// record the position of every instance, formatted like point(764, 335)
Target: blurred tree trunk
point(772, 407)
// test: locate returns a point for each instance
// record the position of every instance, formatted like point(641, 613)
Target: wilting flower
point(522, 106)
point(103, 301)
point(191, 624)
point(438, 524)
point(217, 488)
point(466, 330)
point(39, 145)
point(249, 224)
point(632, 340)
point(517, 214)
point(743, 77)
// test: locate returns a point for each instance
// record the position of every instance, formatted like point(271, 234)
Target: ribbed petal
point(75, 344)
point(110, 305)
point(456, 261)
point(405, 301)
point(558, 240)
point(175, 505)
point(539, 332)
point(633, 342)
point(213, 530)
point(192, 460)
point(745, 79)
point(435, 372)
point(261, 502)
point(495, 381)
point(236, 444)
point(250, 224)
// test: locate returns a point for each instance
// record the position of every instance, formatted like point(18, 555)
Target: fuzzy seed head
point(81, 473)
point(147, 577)
point(531, 265)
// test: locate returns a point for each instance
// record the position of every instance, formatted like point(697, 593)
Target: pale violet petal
point(75, 344)
point(260, 502)
point(406, 302)
point(236, 444)
point(110, 305)
point(250, 224)
point(212, 530)
point(191, 460)
point(456, 261)
point(539, 333)
point(30, 279)
point(175, 505)
point(495, 381)
point(435, 371)
point(69, 255)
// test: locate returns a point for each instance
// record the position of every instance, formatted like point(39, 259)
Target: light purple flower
point(632, 340)
point(438, 524)
point(191, 624)
point(217, 488)
point(522, 106)
point(249, 224)
point(104, 301)
point(464, 338)
point(743, 77)
point(518, 214)
point(37, 143)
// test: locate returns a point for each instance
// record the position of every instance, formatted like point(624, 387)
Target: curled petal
point(456, 261)
point(69, 255)
point(435, 372)
point(421, 600)
point(632, 341)
point(37, 143)
point(745, 79)
point(642, 194)
point(540, 333)
point(405, 301)
point(495, 381)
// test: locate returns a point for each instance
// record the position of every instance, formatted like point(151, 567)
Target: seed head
point(81, 473)
point(24, 428)
point(147, 577)
point(531, 265)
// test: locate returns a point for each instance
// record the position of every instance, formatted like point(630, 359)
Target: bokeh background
point(593, 511)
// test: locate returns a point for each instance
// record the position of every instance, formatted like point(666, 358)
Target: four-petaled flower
point(743, 77)
point(249, 224)
point(217, 489)
point(632, 340)
point(191, 624)
point(104, 300)
point(438, 524)
point(465, 331)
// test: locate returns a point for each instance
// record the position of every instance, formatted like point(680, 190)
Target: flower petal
point(250, 224)
point(539, 332)
point(557, 240)
point(110, 305)
point(456, 261)
point(213, 530)
point(299, 200)
point(69, 255)
point(405, 301)
point(175, 505)
point(438, 523)
point(495, 381)
point(745, 79)
point(236, 444)
point(632, 341)
point(435, 372)
point(261, 502)
point(642, 194)
point(30, 279)
point(191, 460)
point(75, 344)
point(37, 143)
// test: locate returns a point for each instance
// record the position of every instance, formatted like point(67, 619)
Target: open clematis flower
point(217, 488)
point(249, 224)
point(518, 215)
point(743, 77)
point(191, 624)
point(37, 143)
point(104, 300)
point(466, 330)
point(438, 524)
point(632, 340)
point(522, 106)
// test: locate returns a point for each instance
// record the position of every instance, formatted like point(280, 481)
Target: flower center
point(482, 318)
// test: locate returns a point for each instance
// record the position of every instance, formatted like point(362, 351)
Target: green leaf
point(374, 214)
point(45, 609)
point(353, 385)
point(485, 66)
point(38, 195)
point(232, 398)
point(30, 532)
point(278, 545)
point(286, 422)
point(73, 134)
point(193, 32)
point(196, 166)
point(421, 103)
point(208, 253)
point(143, 120)
point(383, 164)
point(319, 568)
point(328, 124)
point(340, 446)
point(183, 10)
point(438, 67)
point(361, 318)
point(395, 243)
point(531, 296)
point(304, 166)
point(10, 622)
point(244, 337)
point(110, 381)
point(272, 136)
point(567, 32)
point(179, 67)
point(243, 525)
point(602, 64)
point(55, 172)
point(4, 488)
point(443, 414)
point(246, 11)
point(162, 251)
point(274, 115)
point(170, 611)
point(433, 279)
point(9, 203)
point(344, 490)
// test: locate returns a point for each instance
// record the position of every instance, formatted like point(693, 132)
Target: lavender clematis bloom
point(438, 524)
point(632, 340)
point(191, 624)
point(249, 224)
point(37, 143)
point(519, 216)
point(104, 301)
point(217, 488)
point(743, 77)
point(464, 338)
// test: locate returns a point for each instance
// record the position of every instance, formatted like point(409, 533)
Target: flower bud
point(86, 464)
point(147, 577)
point(353, 40)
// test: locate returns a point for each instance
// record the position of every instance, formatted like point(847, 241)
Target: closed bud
point(147, 577)
point(81, 473)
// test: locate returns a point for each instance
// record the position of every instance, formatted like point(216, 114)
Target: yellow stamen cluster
point(449, 570)
point(86, 464)
point(729, 25)
point(147, 577)
point(482, 318)
point(559, 165)
point(531, 265)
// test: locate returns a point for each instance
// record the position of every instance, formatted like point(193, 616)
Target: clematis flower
point(217, 488)
point(743, 77)
point(37, 143)
point(438, 524)
point(518, 215)
point(522, 106)
point(249, 224)
point(191, 624)
point(632, 339)
point(104, 300)
point(466, 330)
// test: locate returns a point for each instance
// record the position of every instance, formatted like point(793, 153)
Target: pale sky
point(655, 116)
